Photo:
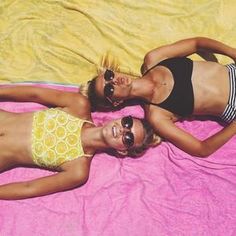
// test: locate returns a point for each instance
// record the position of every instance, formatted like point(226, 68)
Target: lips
point(126, 80)
point(122, 80)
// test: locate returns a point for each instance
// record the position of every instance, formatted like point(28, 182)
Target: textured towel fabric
point(64, 40)
point(165, 192)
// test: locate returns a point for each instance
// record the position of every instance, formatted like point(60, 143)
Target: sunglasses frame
point(109, 87)
point(127, 123)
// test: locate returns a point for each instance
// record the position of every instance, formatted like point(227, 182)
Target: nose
point(122, 130)
point(115, 81)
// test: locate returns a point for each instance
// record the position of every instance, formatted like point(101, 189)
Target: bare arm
point(187, 47)
point(48, 97)
point(45, 96)
point(188, 143)
point(43, 186)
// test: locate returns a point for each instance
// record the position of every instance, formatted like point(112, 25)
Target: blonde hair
point(156, 140)
point(89, 89)
point(107, 62)
point(151, 139)
point(83, 89)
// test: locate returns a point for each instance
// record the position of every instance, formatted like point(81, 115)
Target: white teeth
point(114, 131)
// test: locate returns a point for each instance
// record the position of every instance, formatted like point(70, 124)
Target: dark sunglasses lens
point(128, 139)
point(127, 122)
point(108, 75)
point(108, 90)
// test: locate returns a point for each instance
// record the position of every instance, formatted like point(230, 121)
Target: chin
point(107, 133)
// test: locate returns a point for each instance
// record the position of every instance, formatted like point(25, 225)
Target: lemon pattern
point(56, 137)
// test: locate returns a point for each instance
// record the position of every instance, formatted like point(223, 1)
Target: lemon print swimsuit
point(56, 137)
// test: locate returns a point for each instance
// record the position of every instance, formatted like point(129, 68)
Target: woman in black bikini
point(174, 87)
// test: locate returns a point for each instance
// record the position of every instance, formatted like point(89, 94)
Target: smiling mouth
point(114, 131)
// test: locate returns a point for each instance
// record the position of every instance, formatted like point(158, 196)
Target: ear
point(117, 103)
point(122, 152)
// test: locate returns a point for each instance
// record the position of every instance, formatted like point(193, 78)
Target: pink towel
point(165, 192)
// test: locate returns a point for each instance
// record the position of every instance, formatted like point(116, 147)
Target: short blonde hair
point(151, 139)
point(107, 61)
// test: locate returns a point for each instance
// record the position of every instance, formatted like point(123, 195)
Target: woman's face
point(113, 86)
point(124, 133)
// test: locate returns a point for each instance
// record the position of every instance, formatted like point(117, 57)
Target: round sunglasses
point(109, 87)
point(128, 136)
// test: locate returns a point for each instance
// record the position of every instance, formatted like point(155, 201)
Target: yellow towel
point(63, 40)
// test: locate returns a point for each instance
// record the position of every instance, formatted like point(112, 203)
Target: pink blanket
point(165, 192)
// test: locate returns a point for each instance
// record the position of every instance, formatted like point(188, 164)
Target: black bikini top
point(181, 100)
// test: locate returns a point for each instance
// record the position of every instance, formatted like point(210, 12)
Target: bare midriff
point(210, 87)
point(15, 137)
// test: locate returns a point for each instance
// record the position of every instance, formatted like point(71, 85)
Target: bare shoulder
point(154, 57)
point(77, 98)
point(82, 101)
point(156, 114)
point(79, 106)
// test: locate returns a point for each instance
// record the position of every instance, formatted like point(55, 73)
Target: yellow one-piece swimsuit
point(56, 137)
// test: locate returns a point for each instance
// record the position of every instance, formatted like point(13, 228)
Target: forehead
point(138, 131)
point(99, 85)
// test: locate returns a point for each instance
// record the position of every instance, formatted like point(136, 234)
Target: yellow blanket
point(63, 40)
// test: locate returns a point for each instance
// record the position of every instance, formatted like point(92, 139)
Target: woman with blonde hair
point(62, 139)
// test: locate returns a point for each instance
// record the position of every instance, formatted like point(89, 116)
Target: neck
point(92, 139)
point(142, 88)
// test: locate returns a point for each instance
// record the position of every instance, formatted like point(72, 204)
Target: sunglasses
point(128, 136)
point(109, 88)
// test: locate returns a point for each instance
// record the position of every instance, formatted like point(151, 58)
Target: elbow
point(148, 59)
point(199, 43)
point(202, 151)
point(34, 97)
point(202, 154)
point(80, 179)
point(83, 180)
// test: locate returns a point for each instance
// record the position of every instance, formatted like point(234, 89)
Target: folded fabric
point(165, 192)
